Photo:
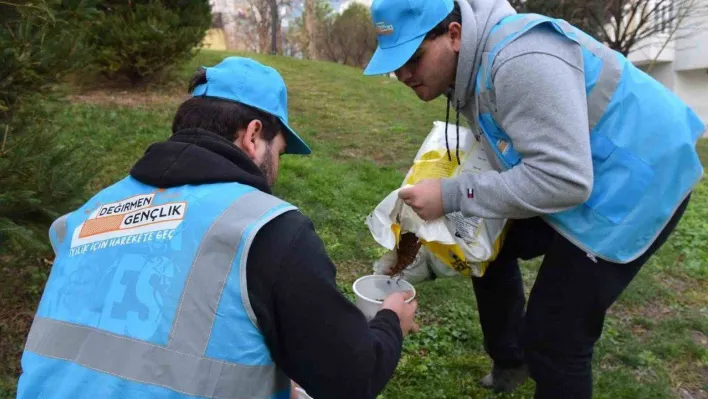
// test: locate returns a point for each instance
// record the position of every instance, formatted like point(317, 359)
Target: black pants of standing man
point(556, 334)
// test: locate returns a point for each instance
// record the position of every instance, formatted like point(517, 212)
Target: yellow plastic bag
point(464, 244)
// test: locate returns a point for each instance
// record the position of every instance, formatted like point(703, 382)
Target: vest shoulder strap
point(238, 224)
point(603, 66)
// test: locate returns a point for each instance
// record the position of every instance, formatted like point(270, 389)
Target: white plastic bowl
point(372, 289)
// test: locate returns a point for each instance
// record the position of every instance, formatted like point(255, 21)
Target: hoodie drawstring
point(457, 126)
point(447, 120)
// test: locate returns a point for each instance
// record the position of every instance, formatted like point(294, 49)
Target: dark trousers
point(566, 310)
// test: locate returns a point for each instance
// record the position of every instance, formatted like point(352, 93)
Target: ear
point(455, 33)
point(249, 138)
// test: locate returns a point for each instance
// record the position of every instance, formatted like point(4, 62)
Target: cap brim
point(294, 144)
point(387, 60)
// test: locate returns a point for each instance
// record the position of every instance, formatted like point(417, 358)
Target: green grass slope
point(364, 133)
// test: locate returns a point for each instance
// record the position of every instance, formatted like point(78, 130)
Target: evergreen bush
point(41, 41)
point(139, 41)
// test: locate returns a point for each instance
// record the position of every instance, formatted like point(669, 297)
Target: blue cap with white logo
point(251, 83)
point(401, 26)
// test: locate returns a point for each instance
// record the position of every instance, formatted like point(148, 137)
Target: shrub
point(41, 42)
point(41, 179)
point(138, 41)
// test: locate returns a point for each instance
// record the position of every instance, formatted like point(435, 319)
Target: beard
point(266, 167)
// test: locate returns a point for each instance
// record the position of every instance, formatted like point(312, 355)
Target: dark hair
point(440, 29)
point(220, 116)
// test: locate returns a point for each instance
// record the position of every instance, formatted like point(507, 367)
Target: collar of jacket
point(197, 156)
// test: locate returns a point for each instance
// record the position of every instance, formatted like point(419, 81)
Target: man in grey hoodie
point(436, 47)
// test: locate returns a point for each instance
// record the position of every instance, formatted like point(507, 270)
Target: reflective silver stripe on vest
point(485, 65)
point(507, 29)
point(59, 228)
point(244, 259)
point(485, 102)
point(181, 366)
point(484, 99)
point(207, 277)
point(143, 362)
point(599, 97)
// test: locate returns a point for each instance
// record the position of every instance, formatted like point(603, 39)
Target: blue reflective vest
point(147, 298)
point(642, 139)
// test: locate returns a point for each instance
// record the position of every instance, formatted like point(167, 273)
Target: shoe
point(505, 380)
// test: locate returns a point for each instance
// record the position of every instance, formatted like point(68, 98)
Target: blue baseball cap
point(401, 26)
point(249, 82)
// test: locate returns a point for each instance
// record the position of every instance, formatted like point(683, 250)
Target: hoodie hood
point(197, 156)
point(478, 19)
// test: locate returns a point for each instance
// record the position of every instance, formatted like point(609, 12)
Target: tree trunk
point(274, 17)
point(310, 10)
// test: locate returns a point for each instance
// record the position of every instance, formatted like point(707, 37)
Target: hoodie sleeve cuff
point(450, 195)
point(389, 317)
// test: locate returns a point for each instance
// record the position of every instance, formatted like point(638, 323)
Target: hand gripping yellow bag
point(464, 244)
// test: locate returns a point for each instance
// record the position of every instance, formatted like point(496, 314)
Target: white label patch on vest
point(132, 220)
point(123, 206)
point(154, 214)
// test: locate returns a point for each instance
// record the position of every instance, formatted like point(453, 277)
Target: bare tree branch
point(690, 7)
point(624, 25)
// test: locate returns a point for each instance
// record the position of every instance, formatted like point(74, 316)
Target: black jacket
point(315, 334)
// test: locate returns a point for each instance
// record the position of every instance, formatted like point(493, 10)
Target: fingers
point(409, 197)
point(406, 194)
point(398, 296)
point(413, 204)
point(405, 311)
point(402, 296)
point(395, 302)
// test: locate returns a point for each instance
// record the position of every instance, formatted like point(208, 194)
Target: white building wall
point(692, 44)
point(656, 49)
point(663, 72)
point(692, 87)
point(682, 64)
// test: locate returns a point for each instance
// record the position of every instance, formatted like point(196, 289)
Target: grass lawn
point(364, 133)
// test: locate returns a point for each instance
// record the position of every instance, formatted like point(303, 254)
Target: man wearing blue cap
point(595, 165)
point(188, 279)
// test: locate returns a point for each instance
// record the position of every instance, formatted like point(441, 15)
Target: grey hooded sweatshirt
point(541, 104)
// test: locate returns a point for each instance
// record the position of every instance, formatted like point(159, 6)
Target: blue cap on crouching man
point(401, 26)
point(249, 82)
